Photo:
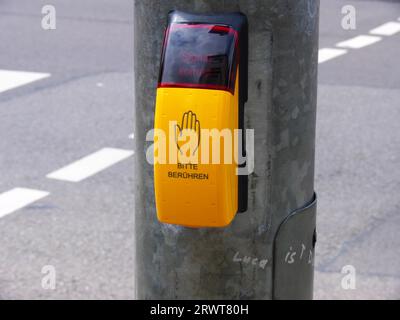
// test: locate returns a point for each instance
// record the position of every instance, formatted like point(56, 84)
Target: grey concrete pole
point(267, 252)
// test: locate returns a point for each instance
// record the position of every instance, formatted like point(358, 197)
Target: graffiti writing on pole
point(299, 253)
point(250, 260)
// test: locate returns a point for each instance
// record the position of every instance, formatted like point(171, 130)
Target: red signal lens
point(199, 56)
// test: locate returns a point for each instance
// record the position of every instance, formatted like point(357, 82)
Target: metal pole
point(267, 252)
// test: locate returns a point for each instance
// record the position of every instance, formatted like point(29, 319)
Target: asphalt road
point(85, 228)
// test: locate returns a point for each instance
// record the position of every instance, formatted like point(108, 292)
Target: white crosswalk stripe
point(10, 79)
point(326, 54)
point(358, 42)
point(90, 165)
point(387, 29)
point(18, 198)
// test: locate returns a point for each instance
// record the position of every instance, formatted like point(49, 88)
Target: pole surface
point(174, 262)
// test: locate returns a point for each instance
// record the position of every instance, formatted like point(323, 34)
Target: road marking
point(326, 54)
point(18, 198)
point(10, 79)
point(387, 29)
point(90, 165)
point(358, 42)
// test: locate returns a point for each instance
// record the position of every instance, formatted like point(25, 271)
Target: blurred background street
point(66, 160)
